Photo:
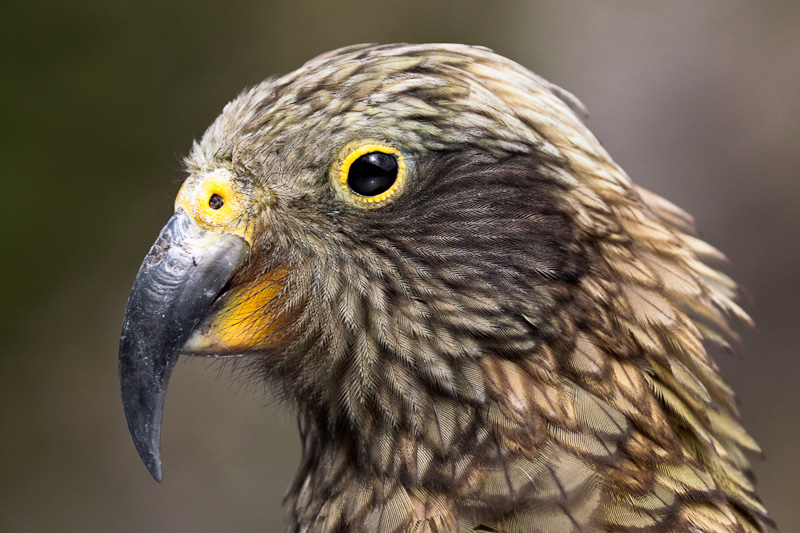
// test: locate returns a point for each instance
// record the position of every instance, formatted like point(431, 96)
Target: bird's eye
point(369, 174)
point(372, 174)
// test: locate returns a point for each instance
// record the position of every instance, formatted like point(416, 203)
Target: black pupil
point(216, 201)
point(373, 173)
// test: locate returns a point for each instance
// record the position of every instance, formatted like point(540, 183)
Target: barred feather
point(517, 343)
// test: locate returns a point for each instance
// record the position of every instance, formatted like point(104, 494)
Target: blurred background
point(99, 101)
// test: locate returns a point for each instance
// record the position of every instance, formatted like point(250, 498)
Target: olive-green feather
point(517, 341)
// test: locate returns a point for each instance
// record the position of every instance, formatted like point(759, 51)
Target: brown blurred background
point(100, 100)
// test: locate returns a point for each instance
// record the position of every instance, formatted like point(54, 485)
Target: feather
point(508, 336)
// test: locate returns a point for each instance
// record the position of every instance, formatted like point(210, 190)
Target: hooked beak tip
point(155, 470)
point(180, 277)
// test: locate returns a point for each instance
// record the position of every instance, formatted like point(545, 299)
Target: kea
point(479, 321)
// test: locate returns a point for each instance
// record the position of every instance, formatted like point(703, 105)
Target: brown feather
point(516, 343)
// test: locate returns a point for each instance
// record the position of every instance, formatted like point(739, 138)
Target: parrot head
point(425, 252)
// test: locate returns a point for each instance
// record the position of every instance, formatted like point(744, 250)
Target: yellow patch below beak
point(247, 317)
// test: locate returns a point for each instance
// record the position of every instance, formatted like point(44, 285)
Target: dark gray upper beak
point(180, 277)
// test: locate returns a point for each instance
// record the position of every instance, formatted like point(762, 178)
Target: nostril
point(216, 201)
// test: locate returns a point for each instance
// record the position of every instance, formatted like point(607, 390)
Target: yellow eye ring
point(370, 174)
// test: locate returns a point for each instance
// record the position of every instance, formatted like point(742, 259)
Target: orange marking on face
point(249, 318)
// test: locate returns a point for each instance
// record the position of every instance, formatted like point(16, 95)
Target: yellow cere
point(215, 204)
point(353, 151)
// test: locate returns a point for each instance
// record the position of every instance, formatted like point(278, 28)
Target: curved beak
point(180, 277)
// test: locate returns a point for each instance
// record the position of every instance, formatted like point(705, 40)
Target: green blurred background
point(99, 101)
